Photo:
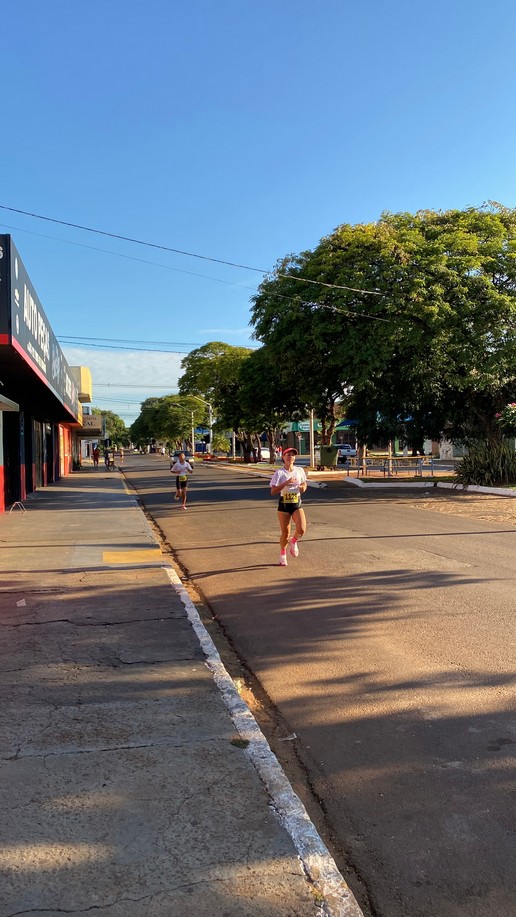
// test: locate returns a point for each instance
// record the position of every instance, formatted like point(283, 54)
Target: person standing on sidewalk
point(181, 468)
point(289, 482)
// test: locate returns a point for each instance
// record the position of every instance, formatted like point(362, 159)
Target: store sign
point(93, 425)
point(23, 321)
point(303, 426)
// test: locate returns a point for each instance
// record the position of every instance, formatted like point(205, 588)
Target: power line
point(63, 337)
point(120, 347)
point(178, 251)
point(141, 385)
point(117, 400)
point(77, 338)
point(239, 286)
point(108, 251)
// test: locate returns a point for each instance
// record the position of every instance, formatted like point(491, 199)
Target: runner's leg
point(300, 521)
point(284, 521)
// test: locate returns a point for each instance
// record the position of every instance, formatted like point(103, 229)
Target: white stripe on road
point(315, 857)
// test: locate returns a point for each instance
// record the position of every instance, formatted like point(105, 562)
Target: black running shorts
point(288, 507)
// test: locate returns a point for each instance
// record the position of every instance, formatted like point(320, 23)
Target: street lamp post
point(210, 419)
point(312, 444)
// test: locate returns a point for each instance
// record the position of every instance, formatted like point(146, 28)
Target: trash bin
point(328, 457)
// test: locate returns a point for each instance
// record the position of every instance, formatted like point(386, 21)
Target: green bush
point(487, 464)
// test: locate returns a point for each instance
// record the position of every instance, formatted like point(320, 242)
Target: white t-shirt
point(181, 468)
point(282, 475)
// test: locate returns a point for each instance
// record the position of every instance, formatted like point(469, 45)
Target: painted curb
point(317, 862)
point(471, 488)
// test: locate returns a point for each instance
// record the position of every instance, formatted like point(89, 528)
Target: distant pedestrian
point(121, 455)
point(289, 482)
point(96, 455)
point(181, 468)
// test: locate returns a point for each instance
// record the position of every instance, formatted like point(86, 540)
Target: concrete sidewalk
point(133, 778)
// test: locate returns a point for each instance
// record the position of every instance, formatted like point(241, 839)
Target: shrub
point(487, 464)
point(507, 419)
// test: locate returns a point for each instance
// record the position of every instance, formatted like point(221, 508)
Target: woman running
point(181, 468)
point(289, 482)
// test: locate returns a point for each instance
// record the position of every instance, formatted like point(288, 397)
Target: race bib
point(290, 498)
point(183, 477)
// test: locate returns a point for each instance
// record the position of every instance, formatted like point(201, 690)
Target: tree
point(452, 334)
point(145, 427)
point(305, 339)
point(412, 316)
point(116, 429)
point(213, 372)
point(170, 418)
point(266, 402)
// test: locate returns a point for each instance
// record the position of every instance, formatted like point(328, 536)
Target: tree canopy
point(169, 418)
point(116, 429)
point(412, 317)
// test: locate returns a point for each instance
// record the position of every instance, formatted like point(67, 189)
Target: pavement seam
point(317, 862)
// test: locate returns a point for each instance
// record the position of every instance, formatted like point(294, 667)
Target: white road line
point(315, 857)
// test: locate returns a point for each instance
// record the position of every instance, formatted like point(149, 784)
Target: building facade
point(40, 410)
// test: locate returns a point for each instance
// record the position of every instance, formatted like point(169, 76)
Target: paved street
point(388, 649)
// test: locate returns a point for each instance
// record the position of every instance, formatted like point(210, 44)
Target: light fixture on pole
point(210, 419)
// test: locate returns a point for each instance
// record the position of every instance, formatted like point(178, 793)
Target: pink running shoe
point(283, 560)
point(294, 550)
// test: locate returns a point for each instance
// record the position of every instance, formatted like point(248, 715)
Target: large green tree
point(145, 427)
point(169, 418)
point(266, 402)
point(214, 372)
point(302, 340)
point(412, 316)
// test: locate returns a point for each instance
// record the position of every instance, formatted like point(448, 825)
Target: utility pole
point(210, 419)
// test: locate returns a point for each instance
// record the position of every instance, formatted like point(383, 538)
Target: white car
point(346, 451)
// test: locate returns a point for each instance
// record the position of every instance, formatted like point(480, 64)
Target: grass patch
point(240, 743)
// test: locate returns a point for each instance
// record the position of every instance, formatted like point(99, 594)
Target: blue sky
point(233, 129)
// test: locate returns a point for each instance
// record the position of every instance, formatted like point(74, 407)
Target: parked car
point(345, 451)
point(177, 452)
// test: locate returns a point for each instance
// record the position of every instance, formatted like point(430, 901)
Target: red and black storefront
point(39, 405)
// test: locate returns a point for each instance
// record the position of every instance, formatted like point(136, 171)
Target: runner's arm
point(277, 488)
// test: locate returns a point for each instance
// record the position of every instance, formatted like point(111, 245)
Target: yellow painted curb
point(145, 556)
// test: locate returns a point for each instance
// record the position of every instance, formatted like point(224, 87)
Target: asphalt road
point(388, 648)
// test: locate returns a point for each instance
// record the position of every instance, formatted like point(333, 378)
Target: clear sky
point(237, 130)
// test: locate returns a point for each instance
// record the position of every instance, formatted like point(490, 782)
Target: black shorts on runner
point(289, 508)
point(181, 485)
